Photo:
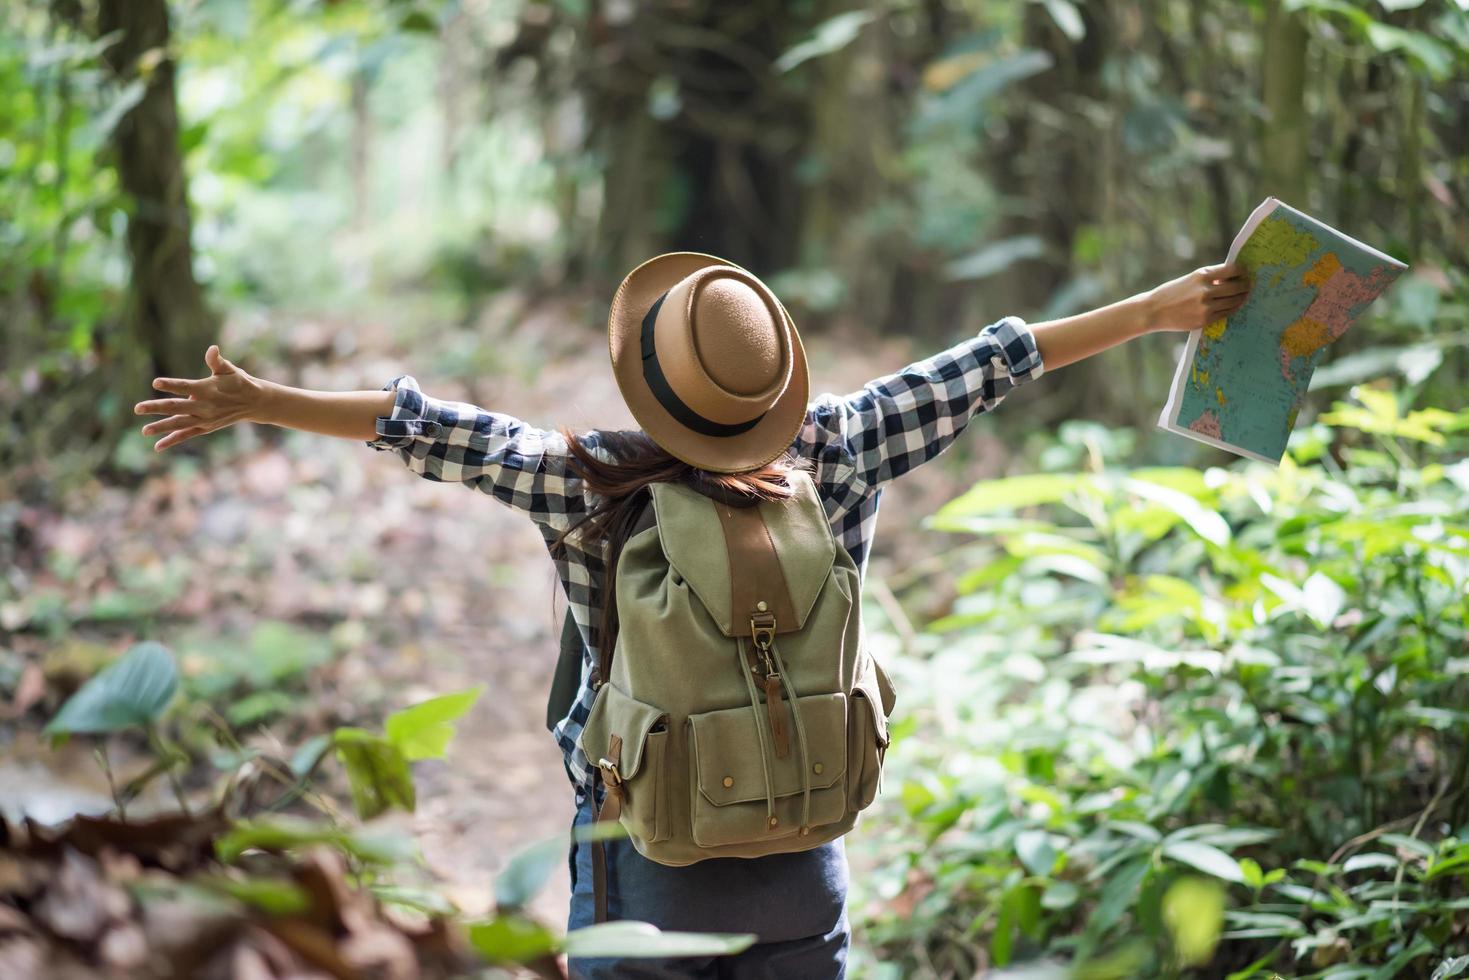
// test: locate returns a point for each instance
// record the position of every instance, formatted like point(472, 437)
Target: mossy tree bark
point(168, 317)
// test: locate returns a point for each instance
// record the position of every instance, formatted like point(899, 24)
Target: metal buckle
point(610, 774)
point(762, 629)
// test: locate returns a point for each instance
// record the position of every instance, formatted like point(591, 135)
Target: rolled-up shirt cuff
point(1019, 356)
point(414, 416)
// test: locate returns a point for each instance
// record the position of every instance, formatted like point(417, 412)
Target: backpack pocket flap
point(614, 713)
point(873, 713)
point(728, 757)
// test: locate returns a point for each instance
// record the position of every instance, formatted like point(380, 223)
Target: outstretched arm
point(894, 423)
point(518, 464)
point(231, 395)
point(1189, 302)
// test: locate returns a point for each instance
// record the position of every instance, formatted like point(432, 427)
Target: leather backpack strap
point(755, 575)
point(610, 810)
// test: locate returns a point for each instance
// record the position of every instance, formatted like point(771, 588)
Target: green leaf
point(274, 896)
point(511, 939)
point(133, 691)
point(424, 900)
point(280, 834)
point(1205, 523)
point(1403, 841)
point(1450, 968)
point(1193, 911)
point(1205, 857)
point(630, 939)
point(1060, 895)
point(1323, 598)
point(1067, 18)
point(1009, 493)
point(829, 37)
point(376, 770)
point(528, 871)
point(309, 754)
point(1036, 852)
point(423, 730)
point(1361, 862)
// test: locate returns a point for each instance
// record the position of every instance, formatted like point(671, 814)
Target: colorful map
point(1242, 380)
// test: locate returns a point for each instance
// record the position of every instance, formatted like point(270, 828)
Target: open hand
point(227, 396)
point(1201, 297)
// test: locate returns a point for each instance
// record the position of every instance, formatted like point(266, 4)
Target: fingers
point(171, 424)
point(1224, 270)
point(1223, 307)
point(174, 438)
point(217, 361)
point(1227, 288)
point(166, 406)
point(178, 386)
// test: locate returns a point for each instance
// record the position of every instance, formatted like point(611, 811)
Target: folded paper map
point(1241, 381)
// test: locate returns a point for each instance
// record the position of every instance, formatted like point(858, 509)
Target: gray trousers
point(795, 903)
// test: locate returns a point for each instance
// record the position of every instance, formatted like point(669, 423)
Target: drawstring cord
point(785, 678)
point(747, 669)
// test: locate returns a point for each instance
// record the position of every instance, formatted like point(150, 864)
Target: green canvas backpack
point(740, 714)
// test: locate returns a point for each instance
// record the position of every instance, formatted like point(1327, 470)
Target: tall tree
point(167, 314)
point(1283, 59)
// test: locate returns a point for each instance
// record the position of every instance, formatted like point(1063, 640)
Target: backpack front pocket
point(643, 733)
point(742, 793)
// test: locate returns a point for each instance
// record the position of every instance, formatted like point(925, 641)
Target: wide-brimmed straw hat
point(708, 361)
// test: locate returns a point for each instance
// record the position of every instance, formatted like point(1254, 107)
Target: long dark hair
point(636, 462)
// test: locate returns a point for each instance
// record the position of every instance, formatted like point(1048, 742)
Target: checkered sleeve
point(516, 463)
point(862, 440)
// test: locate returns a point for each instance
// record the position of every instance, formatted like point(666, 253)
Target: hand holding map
point(1241, 381)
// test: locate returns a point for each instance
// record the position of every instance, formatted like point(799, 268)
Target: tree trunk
point(167, 315)
point(1283, 81)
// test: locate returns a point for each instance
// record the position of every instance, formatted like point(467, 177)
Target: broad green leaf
point(1361, 862)
point(528, 871)
point(425, 900)
point(423, 730)
point(829, 37)
point(1118, 895)
point(629, 939)
point(1036, 851)
point(1009, 493)
point(511, 939)
point(274, 896)
point(1323, 598)
point(1205, 523)
point(1450, 968)
point(1060, 895)
point(1404, 842)
point(1068, 18)
point(1205, 857)
point(1250, 871)
point(1193, 911)
point(309, 754)
point(377, 772)
point(280, 651)
point(133, 691)
point(283, 833)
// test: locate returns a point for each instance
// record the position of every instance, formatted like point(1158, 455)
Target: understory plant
point(1189, 723)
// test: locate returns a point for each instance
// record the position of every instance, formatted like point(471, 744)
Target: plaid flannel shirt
point(858, 442)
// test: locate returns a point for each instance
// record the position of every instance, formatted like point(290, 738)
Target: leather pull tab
point(775, 705)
